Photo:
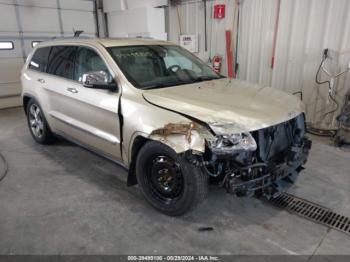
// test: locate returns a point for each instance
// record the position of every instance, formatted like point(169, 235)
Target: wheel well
point(138, 143)
point(26, 99)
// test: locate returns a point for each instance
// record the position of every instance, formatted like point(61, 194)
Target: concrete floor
point(62, 199)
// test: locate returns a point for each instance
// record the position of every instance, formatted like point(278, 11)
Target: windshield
point(155, 66)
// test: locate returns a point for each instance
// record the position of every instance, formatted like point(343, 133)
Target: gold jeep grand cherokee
point(158, 110)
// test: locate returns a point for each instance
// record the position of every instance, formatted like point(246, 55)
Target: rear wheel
point(168, 181)
point(37, 124)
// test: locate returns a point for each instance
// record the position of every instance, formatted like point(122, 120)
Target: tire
point(37, 124)
point(338, 141)
point(168, 181)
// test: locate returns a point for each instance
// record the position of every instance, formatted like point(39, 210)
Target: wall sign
point(219, 11)
point(189, 42)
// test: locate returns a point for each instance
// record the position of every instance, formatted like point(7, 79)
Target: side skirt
point(91, 149)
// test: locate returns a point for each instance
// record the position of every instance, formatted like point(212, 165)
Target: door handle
point(72, 90)
point(41, 80)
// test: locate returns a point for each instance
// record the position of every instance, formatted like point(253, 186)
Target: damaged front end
point(260, 162)
point(183, 137)
point(248, 163)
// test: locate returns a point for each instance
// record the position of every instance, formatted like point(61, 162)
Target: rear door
point(89, 116)
point(58, 77)
point(33, 79)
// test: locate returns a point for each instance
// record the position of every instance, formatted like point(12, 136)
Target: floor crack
point(319, 244)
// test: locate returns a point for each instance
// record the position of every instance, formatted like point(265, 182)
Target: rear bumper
point(274, 177)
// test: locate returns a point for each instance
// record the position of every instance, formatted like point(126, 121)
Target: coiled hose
point(5, 168)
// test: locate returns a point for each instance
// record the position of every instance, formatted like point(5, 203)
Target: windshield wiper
point(168, 84)
point(177, 83)
point(203, 78)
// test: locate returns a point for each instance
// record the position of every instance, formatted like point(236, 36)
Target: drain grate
point(313, 212)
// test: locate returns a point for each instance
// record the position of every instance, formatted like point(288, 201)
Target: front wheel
point(168, 181)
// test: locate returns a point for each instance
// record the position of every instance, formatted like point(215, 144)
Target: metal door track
point(312, 211)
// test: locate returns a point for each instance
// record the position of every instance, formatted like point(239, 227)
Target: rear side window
point(40, 59)
point(61, 61)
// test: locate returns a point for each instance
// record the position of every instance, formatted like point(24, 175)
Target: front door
point(89, 116)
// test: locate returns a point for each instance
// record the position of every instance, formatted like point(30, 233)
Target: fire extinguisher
point(217, 63)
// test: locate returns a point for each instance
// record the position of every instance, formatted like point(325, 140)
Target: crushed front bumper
point(270, 179)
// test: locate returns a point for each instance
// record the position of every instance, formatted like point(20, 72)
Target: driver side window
point(86, 61)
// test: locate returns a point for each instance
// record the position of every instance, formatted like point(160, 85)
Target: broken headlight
point(233, 143)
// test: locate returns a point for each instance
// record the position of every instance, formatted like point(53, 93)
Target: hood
point(231, 105)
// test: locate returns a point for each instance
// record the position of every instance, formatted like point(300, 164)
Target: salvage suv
point(166, 116)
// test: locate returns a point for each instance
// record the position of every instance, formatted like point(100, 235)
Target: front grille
point(275, 140)
point(312, 211)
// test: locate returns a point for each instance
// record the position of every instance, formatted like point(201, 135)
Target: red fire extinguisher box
point(219, 11)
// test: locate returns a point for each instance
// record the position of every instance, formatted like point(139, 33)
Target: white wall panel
point(9, 2)
point(40, 24)
point(79, 21)
point(79, 5)
point(141, 21)
point(10, 87)
point(24, 21)
point(13, 66)
point(114, 5)
point(305, 29)
point(10, 101)
point(38, 3)
point(131, 4)
point(11, 62)
point(8, 22)
point(117, 24)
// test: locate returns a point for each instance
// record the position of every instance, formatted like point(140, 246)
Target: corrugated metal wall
point(190, 17)
point(306, 27)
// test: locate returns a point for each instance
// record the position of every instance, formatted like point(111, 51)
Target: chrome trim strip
point(99, 134)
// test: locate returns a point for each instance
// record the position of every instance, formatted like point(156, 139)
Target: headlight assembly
point(233, 143)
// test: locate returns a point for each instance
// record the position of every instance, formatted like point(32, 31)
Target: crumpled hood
point(240, 106)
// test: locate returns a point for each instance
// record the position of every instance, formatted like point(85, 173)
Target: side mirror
point(99, 80)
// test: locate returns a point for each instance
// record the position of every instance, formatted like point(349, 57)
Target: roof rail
point(70, 37)
point(141, 37)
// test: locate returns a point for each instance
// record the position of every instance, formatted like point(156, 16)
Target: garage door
point(23, 23)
